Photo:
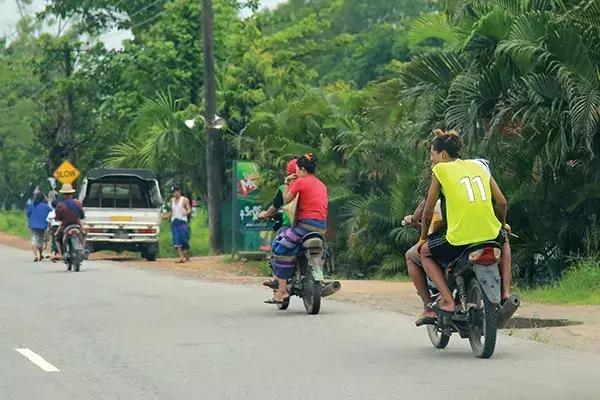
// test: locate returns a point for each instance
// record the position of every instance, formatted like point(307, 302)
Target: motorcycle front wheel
point(483, 323)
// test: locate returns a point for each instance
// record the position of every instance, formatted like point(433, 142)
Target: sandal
point(425, 320)
point(273, 301)
point(435, 306)
point(180, 261)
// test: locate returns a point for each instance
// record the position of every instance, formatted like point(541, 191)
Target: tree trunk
point(214, 148)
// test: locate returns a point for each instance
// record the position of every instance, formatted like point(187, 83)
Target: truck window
point(118, 192)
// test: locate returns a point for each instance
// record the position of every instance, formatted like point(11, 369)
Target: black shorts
point(445, 253)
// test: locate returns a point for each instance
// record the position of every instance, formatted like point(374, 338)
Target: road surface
point(111, 332)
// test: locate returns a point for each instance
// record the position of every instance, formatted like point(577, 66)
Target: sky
point(9, 15)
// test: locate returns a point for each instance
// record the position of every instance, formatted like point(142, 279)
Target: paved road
point(123, 333)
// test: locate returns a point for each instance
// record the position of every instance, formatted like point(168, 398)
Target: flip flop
point(425, 320)
point(273, 301)
point(271, 284)
point(435, 306)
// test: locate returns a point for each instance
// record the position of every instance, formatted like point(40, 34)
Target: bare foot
point(446, 306)
point(281, 296)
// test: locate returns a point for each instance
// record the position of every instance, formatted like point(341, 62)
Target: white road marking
point(37, 360)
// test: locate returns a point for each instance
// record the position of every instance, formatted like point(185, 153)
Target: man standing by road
point(179, 215)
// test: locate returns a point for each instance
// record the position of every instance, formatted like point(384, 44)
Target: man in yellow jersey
point(467, 189)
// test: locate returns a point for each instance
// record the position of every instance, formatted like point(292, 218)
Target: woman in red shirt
point(311, 216)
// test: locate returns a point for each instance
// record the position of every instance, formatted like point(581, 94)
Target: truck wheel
point(150, 252)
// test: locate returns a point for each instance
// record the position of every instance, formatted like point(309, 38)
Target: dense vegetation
point(360, 83)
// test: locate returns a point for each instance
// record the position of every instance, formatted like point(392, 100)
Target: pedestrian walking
point(179, 215)
point(37, 214)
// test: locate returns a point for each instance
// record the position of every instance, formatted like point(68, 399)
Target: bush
point(579, 285)
point(14, 223)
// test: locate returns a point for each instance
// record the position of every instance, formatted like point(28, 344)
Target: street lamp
point(218, 123)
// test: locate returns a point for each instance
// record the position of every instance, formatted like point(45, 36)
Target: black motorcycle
point(307, 282)
point(73, 250)
point(475, 279)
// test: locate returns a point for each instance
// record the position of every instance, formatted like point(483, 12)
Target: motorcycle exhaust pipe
point(508, 309)
point(331, 288)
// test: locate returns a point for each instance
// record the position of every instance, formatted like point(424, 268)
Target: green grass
point(199, 240)
point(14, 223)
point(580, 285)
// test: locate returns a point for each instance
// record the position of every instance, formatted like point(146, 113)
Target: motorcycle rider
point(69, 212)
point(415, 266)
point(466, 189)
point(311, 217)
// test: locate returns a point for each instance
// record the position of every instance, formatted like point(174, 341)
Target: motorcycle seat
point(472, 247)
point(313, 240)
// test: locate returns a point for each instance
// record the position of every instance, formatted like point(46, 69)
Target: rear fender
point(316, 260)
point(75, 243)
point(488, 277)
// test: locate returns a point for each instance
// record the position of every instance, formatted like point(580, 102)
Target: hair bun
point(310, 157)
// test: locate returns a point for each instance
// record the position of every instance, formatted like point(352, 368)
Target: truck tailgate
point(117, 217)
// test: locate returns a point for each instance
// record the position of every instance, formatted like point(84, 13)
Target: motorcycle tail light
point(485, 256)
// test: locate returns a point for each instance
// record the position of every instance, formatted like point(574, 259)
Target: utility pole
point(214, 149)
point(68, 138)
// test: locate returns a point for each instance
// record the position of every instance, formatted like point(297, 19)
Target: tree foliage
point(362, 84)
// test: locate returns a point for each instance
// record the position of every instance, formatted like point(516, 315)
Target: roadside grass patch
point(580, 285)
point(14, 223)
point(199, 237)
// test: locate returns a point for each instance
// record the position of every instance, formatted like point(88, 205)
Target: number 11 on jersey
point(469, 183)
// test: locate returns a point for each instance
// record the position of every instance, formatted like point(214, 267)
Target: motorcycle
point(307, 282)
point(475, 279)
point(74, 252)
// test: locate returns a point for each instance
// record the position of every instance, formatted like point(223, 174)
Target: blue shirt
point(38, 215)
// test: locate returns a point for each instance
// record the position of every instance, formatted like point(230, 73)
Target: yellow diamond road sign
point(66, 173)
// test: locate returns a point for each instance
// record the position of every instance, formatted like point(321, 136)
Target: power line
point(145, 8)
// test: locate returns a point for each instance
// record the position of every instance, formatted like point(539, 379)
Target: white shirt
point(178, 210)
point(52, 219)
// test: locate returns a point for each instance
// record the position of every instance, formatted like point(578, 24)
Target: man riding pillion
point(466, 189)
point(69, 212)
point(311, 216)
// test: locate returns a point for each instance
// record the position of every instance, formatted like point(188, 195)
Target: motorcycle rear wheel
point(311, 294)
point(438, 339)
point(483, 322)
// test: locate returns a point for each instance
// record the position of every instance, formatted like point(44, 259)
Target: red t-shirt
point(312, 203)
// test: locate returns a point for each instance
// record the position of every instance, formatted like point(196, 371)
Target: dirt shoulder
point(575, 327)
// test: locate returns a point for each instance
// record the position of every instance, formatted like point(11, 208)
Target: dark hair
point(176, 188)
point(449, 141)
point(308, 162)
point(38, 198)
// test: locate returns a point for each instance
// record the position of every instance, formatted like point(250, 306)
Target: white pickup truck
point(122, 210)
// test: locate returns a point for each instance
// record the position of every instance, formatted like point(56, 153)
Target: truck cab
point(122, 210)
